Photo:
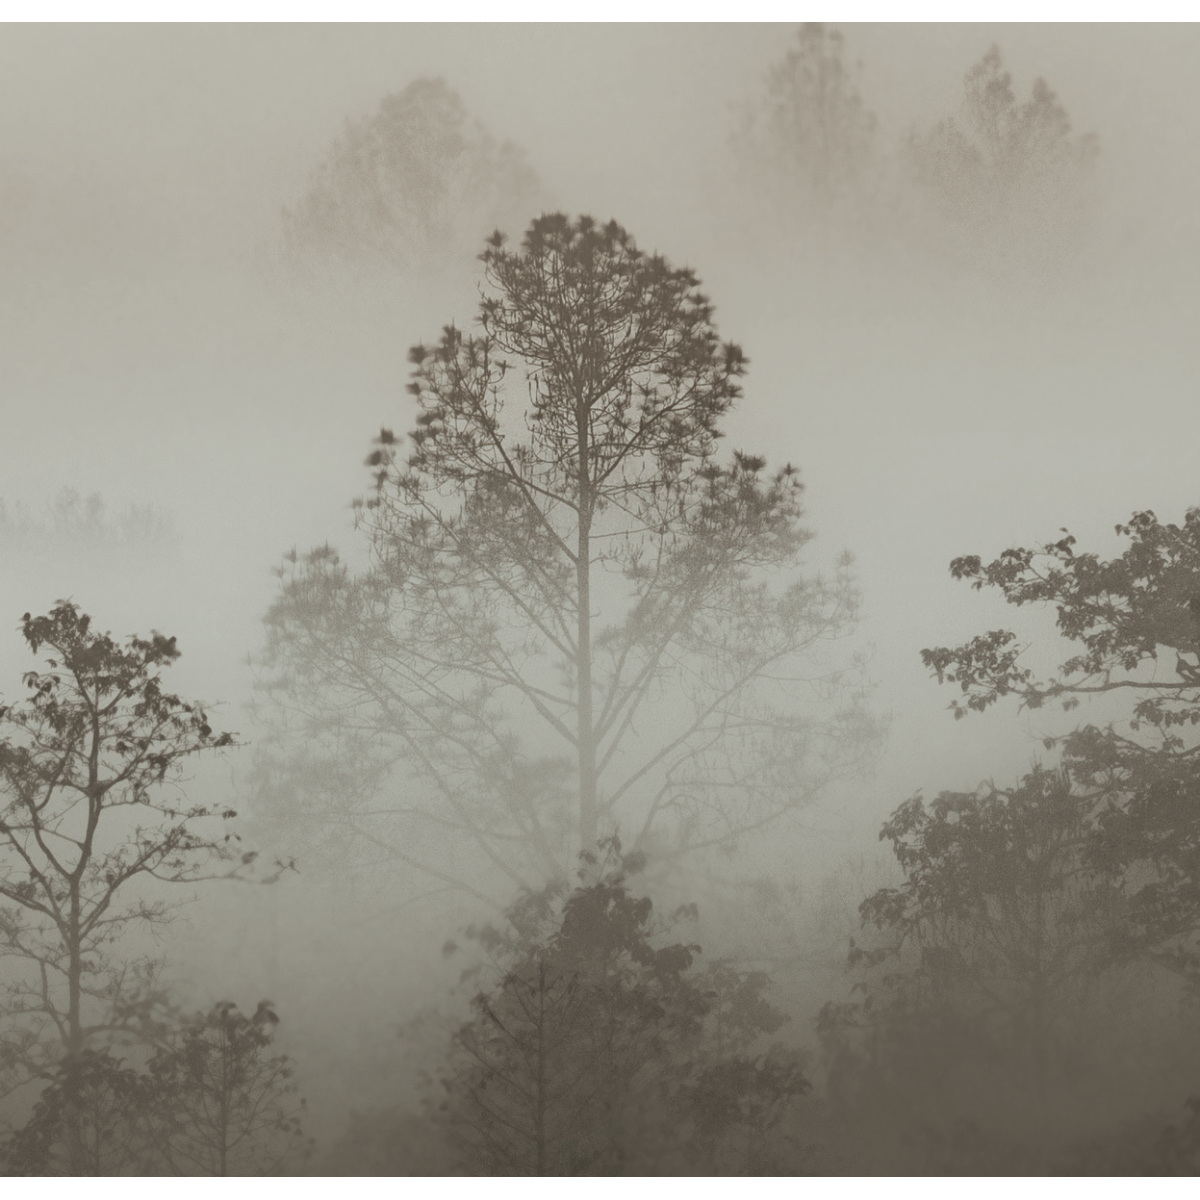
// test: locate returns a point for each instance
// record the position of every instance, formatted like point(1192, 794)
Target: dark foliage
point(212, 1100)
point(221, 1103)
point(599, 1048)
point(1135, 623)
point(89, 1120)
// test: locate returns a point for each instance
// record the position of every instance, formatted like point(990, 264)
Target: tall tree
point(571, 604)
point(412, 183)
point(89, 767)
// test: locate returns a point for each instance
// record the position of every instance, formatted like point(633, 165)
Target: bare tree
point(576, 619)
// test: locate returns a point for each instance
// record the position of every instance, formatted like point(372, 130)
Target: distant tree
point(212, 1100)
point(414, 183)
point(561, 549)
point(77, 526)
point(1004, 167)
point(818, 132)
point(1135, 623)
point(220, 1103)
point(89, 764)
point(598, 1049)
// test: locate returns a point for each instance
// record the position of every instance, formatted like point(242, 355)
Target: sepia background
point(193, 363)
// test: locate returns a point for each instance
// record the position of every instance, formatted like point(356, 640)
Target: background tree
point(211, 1100)
point(220, 1102)
point(414, 183)
point(89, 764)
point(1005, 168)
point(83, 527)
point(596, 1049)
point(569, 624)
point(1135, 624)
point(817, 130)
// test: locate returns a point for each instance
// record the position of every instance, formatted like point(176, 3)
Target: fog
point(940, 397)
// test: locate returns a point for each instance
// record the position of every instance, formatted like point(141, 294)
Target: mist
point(198, 345)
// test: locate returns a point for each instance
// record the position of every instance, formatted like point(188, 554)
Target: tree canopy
point(597, 1047)
point(577, 618)
point(1135, 624)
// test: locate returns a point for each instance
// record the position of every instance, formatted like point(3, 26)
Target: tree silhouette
point(211, 1100)
point(1135, 623)
point(1005, 168)
point(409, 186)
point(999, 910)
point(79, 527)
point(220, 1102)
point(89, 764)
point(597, 1049)
point(88, 1120)
point(570, 622)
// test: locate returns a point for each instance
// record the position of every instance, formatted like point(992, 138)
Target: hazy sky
point(142, 169)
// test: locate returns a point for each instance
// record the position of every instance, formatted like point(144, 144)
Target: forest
point(563, 800)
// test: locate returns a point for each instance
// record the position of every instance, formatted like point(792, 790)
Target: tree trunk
point(588, 831)
point(73, 1108)
point(541, 1072)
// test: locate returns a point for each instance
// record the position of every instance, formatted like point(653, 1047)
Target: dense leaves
point(211, 1100)
point(1135, 624)
point(998, 906)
